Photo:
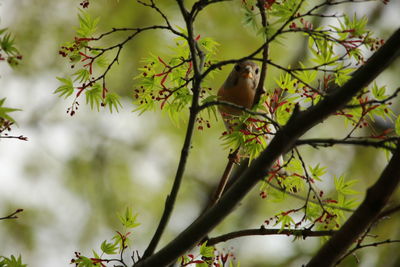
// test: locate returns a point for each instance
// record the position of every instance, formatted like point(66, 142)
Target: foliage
point(11, 262)
point(8, 51)
point(10, 54)
point(179, 85)
point(209, 256)
point(119, 244)
point(81, 55)
point(4, 112)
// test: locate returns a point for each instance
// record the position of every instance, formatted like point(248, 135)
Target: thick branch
point(376, 199)
point(284, 140)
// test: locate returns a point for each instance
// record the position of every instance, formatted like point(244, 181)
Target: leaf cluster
point(11, 261)
point(8, 50)
point(165, 82)
point(88, 62)
point(119, 244)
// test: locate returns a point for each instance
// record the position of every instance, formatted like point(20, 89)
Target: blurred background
point(76, 173)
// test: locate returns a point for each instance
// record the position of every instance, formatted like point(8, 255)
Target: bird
point(239, 88)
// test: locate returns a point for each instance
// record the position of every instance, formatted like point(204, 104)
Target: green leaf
point(82, 75)
point(342, 75)
point(128, 219)
point(378, 92)
point(295, 166)
point(206, 251)
point(3, 31)
point(285, 220)
point(7, 45)
point(67, 87)
point(306, 76)
point(317, 171)
point(397, 125)
point(112, 100)
point(285, 82)
point(94, 96)
point(85, 262)
point(250, 18)
point(87, 25)
point(344, 187)
point(4, 111)
point(11, 262)
point(109, 248)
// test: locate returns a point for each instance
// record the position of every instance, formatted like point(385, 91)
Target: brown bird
point(239, 88)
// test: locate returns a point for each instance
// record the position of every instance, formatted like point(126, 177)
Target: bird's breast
point(241, 94)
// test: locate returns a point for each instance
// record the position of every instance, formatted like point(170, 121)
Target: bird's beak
point(248, 75)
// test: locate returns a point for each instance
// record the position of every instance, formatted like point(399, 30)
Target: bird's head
point(245, 72)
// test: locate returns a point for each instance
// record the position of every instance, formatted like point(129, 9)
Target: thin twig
point(242, 108)
point(264, 23)
point(382, 101)
point(328, 142)
point(304, 198)
point(171, 198)
point(263, 231)
point(12, 215)
point(20, 137)
point(389, 211)
point(375, 244)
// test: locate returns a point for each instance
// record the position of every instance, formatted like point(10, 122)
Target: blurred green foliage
point(104, 170)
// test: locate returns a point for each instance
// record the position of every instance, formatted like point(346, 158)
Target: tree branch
point(260, 88)
point(12, 215)
point(328, 142)
point(377, 197)
point(197, 67)
point(238, 107)
point(360, 246)
point(298, 124)
point(389, 211)
point(263, 231)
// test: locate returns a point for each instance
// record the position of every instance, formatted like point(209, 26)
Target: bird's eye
point(257, 71)
point(237, 67)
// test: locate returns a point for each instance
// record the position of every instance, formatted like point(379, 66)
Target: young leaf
point(112, 100)
point(94, 96)
point(67, 87)
point(128, 219)
point(87, 25)
point(206, 251)
point(11, 262)
point(397, 125)
point(344, 187)
point(4, 111)
point(109, 248)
